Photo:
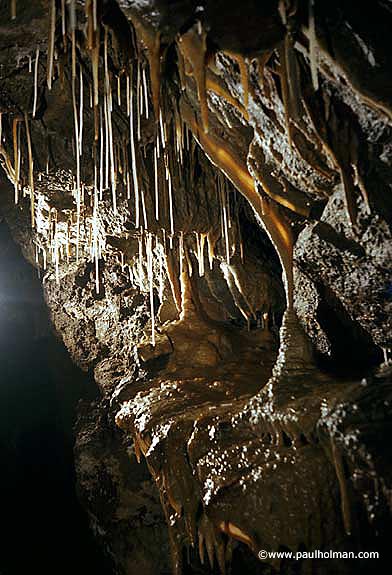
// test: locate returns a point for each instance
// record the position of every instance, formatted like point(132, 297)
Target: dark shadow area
point(44, 529)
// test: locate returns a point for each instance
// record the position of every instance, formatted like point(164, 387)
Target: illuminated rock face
point(205, 191)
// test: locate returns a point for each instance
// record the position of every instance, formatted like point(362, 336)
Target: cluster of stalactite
point(138, 142)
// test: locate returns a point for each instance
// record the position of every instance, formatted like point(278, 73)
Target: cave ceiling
point(205, 190)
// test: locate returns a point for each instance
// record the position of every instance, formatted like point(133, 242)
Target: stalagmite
point(35, 81)
point(151, 284)
point(52, 30)
point(31, 170)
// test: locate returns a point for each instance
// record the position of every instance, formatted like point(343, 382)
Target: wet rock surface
point(184, 173)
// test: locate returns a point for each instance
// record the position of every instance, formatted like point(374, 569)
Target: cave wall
point(184, 173)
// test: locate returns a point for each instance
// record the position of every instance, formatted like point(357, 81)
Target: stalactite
point(313, 54)
point(31, 169)
point(170, 196)
point(145, 92)
point(80, 112)
point(108, 117)
point(223, 203)
point(161, 278)
point(77, 154)
point(13, 9)
point(139, 101)
point(144, 211)
point(128, 94)
point(156, 184)
point(35, 81)
point(193, 46)
point(151, 284)
point(162, 131)
point(133, 159)
point(273, 222)
point(211, 247)
point(52, 30)
point(56, 254)
point(15, 137)
point(63, 24)
point(95, 235)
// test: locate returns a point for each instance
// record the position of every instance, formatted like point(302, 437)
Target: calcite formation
point(204, 188)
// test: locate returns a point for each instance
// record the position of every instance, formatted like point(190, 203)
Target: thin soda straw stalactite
point(181, 253)
point(156, 183)
point(101, 156)
point(95, 239)
point(106, 145)
point(109, 108)
point(313, 46)
point(162, 129)
point(119, 90)
point(201, 254)
point(145, 92)
point(140, 259)
point(35, 81)
point(223, 204)
point(56, 253)
point(77, 154)
point(15, 139)
point(138, 102)
point(31, 170)
point(80, 112)
point(170, 195)
point(63, 24)
point(52, 30)
point(13, 9)
point(161, 278)
point(151, 284)
point(144, 208)
point(128, 94)
point(133, 158)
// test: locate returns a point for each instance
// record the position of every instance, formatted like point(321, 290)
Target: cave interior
point(195, 286)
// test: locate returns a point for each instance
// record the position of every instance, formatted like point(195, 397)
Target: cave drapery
point(204, 189)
